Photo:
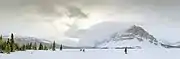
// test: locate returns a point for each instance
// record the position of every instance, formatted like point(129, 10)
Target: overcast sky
point(62, 19)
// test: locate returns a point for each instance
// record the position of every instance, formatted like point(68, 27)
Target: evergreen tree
point(30, 46)
point(23, 48)
point(1, 43)
point(12, 36)
point(17, 46)
point(40, 46)
point(8, 42)
point(12, 45)
point(1, 37)
point(8, 49)
point(4, 45)
point(45, 48)
point(35, 46)
point(61, 47)
point(27, 46)
point(54, 46)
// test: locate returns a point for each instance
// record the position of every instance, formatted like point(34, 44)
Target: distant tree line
point(9, 45)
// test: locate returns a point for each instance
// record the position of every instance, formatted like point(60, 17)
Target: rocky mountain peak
point(133, 33)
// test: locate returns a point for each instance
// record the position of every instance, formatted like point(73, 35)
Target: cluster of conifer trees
point(9, 45)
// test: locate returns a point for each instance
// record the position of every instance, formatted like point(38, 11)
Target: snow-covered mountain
point(134, 36)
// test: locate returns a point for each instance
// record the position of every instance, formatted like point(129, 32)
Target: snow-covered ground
point(152, 53)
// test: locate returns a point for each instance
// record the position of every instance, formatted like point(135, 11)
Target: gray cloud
point(165, 8)
point(45, 8)
point(159, 10)
point(76, 12)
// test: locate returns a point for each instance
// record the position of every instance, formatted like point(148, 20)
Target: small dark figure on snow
point(83, 50)
point(125, 50)
point(80, 49)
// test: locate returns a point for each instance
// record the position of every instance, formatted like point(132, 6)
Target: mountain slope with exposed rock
point(135, 36)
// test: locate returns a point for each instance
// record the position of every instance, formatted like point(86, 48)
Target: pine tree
point(12, 36)
point(35, 46)
point(27, 46)
point(4, 45)
point(17, 46)
point(40, 46)
point(1, 37)
point(8, 42)
point(30, 46)
point(1, 43)
point(8, 49)
point(23, 48)
point(61, 47)
point(54, 46)
point(45, 48)
point(12, 45)
point(7, 45)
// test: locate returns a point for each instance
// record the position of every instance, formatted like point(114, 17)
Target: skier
point(125, 50)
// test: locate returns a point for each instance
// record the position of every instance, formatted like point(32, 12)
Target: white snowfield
point(152, 53)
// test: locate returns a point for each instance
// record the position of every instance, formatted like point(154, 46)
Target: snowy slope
point(153, 53)
point(135, 36)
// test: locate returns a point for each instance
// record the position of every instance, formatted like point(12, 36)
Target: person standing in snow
point(83, 50)
point(125, 50)
point(80, 49)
